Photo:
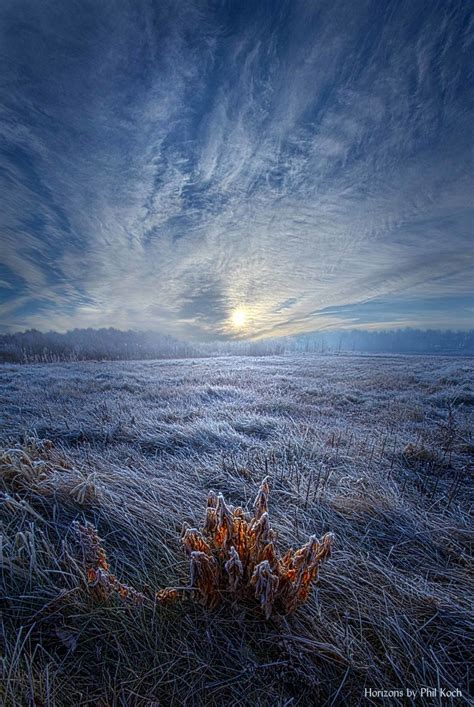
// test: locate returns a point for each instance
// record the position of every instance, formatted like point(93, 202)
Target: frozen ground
point(375, 449)
point(235, 406)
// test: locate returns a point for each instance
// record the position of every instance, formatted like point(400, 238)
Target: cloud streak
point(164, 165)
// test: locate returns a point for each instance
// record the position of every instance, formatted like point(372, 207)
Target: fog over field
point(376, 450)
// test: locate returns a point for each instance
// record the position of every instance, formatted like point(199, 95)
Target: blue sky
point(163, 164)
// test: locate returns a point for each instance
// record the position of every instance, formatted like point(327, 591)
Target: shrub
point(235, 553)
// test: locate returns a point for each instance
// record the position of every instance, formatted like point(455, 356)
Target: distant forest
point(113, 345)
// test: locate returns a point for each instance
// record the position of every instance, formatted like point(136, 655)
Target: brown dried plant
point(99, 578)
point(36, 466)
point(235, 553)
point(26, 466)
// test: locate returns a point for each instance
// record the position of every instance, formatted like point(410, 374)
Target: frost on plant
point(235, 554)
point(100, 580)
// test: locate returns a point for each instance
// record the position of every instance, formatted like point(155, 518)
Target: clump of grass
point(235, 554)
point(39, 465)
point(26, 465)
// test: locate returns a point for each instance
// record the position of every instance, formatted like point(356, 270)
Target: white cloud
point(316, 157)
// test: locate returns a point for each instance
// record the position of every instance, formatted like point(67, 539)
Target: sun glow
point(239, 318)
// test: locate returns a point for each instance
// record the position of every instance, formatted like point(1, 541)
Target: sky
point(240, 169)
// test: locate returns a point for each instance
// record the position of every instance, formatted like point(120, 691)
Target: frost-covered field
point(236, 406)
point(375, 449)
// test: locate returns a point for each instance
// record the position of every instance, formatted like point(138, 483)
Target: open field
point(375, 449)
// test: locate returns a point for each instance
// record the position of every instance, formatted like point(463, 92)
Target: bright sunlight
point(239, 318)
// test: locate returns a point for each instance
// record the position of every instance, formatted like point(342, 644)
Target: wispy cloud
point(163, 165)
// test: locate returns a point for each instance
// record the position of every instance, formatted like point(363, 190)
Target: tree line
point(113, 345)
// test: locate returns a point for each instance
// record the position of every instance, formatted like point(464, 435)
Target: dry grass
point(390, 609)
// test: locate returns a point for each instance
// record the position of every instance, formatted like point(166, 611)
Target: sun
point(239, 318)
